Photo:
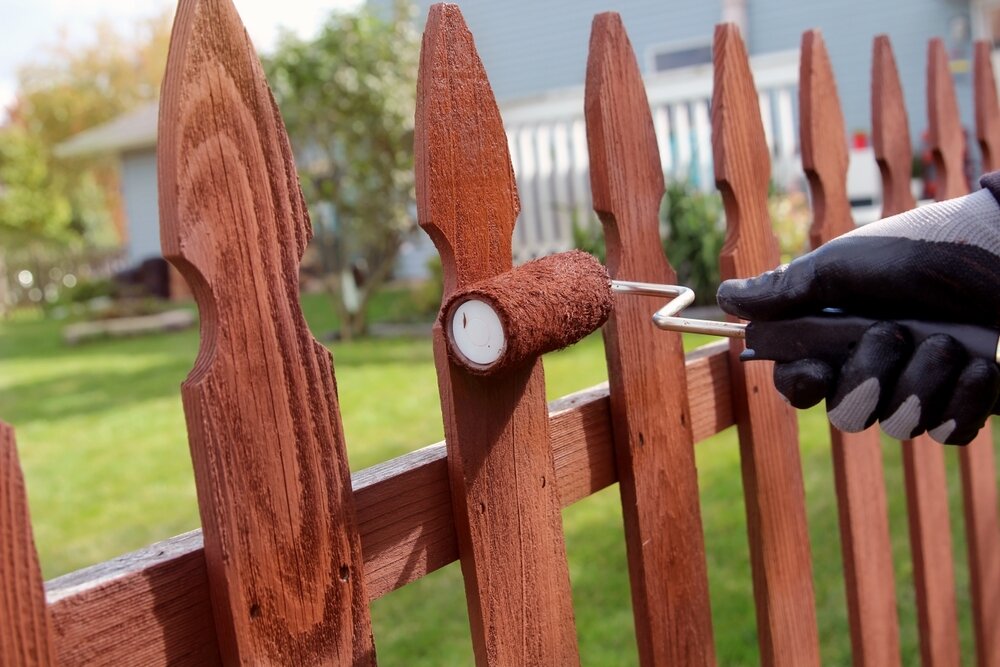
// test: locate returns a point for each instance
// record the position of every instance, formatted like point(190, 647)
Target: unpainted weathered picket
point(857, 457)
point(295, 548)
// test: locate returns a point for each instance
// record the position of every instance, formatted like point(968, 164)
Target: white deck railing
point(548, 144)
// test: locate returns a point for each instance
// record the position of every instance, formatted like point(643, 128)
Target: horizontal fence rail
point(151, 607)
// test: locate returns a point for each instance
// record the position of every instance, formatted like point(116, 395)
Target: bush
point(693, 231)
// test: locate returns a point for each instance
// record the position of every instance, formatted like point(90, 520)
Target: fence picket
point(923, 459)
point(772, 471)
point(890, 131)
point(857, 457)
point(504, 488)
point(25, 638)
point(648, 389)
point(282, 551)
point(987, 106)
point(977, 461)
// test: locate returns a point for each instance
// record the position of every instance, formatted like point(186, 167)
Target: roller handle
point(831, 337)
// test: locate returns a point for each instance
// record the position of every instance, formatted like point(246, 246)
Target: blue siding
point(533, 46)
point(848, 28)
point(139, 192)
point(530, 47)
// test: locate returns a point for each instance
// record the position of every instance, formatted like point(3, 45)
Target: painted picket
point(857, 457)
point(649, 399)
point(923, 459)
point(282, 550)
point(976, 460)
point(25, 636)
point(506, 501)
point(772, 470)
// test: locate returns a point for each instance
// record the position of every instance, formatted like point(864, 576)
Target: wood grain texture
point(977, 459)
point(857, 457)
point(772, 471)
point(157, 598)
point(923, 459)
point(282, 551)
point(649, 405)
point(24, 621)
point(890, 130)
point(503, 482)
point(987, 107)
point(944, 125)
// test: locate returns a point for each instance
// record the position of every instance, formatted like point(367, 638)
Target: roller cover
point(543, 305)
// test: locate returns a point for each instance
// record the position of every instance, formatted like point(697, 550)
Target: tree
point(69, 89)
point(347, 97)
point(31, 208)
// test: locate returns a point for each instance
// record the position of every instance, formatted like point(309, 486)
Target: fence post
point(281, 547)
point(857, 457)
point(923, 459)
point(504, 490)
point(987, 106)
point(25, 638)
point(772, 471)
point(977, 461)
point(648, 387)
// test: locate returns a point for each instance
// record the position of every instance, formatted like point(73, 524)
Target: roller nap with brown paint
point(538, 307)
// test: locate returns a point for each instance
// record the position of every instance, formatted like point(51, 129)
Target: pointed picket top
point(466, 193)
point(824, 141)
point(987, 106)
point(282, 551)
point(946, 138)
point(890, 130)
point(741, 158)
point(25, 635)
point(626, 177)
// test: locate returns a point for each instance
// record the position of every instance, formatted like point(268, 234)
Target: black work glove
point(940, 263)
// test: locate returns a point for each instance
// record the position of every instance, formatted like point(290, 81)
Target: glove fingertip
point(856, 410)
point(942, 432)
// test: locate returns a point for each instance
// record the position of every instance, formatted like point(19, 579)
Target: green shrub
point(693, 231)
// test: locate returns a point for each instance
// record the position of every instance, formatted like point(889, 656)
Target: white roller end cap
point(477, 333)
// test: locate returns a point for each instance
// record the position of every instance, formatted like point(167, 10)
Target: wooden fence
point(293, 548)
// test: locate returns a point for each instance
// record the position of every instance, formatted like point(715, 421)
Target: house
point(535, 53)
point(530, 47)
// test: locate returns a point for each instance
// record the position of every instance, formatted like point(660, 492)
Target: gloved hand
point(940, 262)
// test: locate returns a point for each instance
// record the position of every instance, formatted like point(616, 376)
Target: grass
point(102, 441)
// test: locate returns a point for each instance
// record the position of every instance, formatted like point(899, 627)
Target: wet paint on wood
point(503, 482)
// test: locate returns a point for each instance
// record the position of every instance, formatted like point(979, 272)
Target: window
point(675, 56)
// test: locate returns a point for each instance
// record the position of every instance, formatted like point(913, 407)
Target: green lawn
point(102, 441)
